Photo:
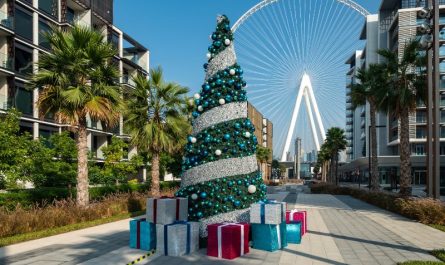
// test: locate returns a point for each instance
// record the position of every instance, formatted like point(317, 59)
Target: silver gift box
point(274, 213)
point(176, 237)
point(166, 210)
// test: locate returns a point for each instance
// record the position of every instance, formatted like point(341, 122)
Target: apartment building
point(22, 24)
point(264, 134)
point(395, 24)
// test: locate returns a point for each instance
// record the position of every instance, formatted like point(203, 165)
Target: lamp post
point(430, 41)
point(370, 154)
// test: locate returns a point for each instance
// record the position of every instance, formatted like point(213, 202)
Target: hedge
point(41, 196)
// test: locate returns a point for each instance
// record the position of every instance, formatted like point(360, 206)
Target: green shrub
point(43, 196)
point(424, 210)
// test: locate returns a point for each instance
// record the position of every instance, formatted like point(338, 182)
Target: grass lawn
point(439, 227)
point(63, 229)
point(438, 253)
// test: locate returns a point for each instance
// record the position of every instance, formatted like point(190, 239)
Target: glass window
point(442, 132)
point(23, 24)
point(421, 117)
point(419, 149)
point(49, 6)
point(70, 15)
point(44, 28)
point(23, 61)
point(115, 40)
point(23, 100)
point(420, 132)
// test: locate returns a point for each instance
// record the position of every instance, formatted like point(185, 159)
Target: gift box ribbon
point(220, 237)
point(278, 236)
point(155, 207)
point(263, 210)
point(138, 232)
point(291, 214)
point(187, 249)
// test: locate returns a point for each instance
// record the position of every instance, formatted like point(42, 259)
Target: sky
point(177, 34)
point(177, 31)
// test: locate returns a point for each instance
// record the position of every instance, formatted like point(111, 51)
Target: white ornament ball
point(209, 55)
point(200, 108)
point(232, 72)
point(194, 196)
point(193, 140)
point(191, 102)
point(197, 96)
point(227, 42)
point(222, 101)
point(251, 189)
point(247, 134)
point(218, 152)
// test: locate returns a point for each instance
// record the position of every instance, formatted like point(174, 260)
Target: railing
point(6, 62)
point(6, 21)
point(3, 102)
point(128, 80)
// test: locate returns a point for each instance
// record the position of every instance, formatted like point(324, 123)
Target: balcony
point(3, 102)
point(349, 106)
point(127, 80)
point(6, 24)
point(6, 63)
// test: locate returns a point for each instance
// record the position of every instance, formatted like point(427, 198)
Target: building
point(395, 24)
point(264, 134)
point(22, 25)
point(297, 157)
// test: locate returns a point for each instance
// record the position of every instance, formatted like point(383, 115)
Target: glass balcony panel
point(6, 21)
point(23, 24)
point(49, 6)
point(6, 62)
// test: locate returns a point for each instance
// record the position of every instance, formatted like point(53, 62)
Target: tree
point(406, 84)
point(77, 82)
point(116, 168)
point(221, 175)
point(335, 142)
point(155, 119)
point(324, 157)
point(371, 85)
point(263, 155)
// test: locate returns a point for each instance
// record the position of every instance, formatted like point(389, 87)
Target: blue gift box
point(293, 232)
point(269, 237)
point(142, 234)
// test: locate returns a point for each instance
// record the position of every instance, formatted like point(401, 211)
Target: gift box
point(293, 233)
point(269, 212)
point(167, 210)
point(228, 240)
point(142, 234)
point(269, 237)
point(297, 216)
point(177, 239)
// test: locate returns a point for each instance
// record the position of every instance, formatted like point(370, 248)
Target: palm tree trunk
point(82, 164)
point(155, 190)
point(405, 155)
point(375, 181)
point(332, 170)
point(336, 169)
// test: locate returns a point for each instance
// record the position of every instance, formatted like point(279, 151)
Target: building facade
point(264, 134)
point(395, 24)
point(22, 27)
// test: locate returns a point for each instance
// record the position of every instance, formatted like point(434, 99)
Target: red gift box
point(297, 216)
point(228, 240)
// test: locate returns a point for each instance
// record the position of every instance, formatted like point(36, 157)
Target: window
point(420, 132)
point(442, 132)
point(23, 61)
point(70, 15)
point(44, 28)
point(421, 117)
point(49, 6)
point(419, 149)
point(115, 40)
point(23, 100)
point(23, 24)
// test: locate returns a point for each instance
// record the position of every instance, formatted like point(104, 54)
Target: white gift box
point(177, 239)
point(270, 212)
point(167, 210)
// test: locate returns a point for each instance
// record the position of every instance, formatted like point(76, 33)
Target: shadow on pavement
point(329, 261)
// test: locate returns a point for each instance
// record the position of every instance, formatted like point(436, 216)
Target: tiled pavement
point(342, 230)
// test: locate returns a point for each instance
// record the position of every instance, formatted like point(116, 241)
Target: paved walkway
point(342, 230)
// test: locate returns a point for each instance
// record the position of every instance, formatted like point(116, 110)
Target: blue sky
point(176, 31)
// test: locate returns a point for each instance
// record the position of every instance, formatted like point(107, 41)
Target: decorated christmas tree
point(220, 170)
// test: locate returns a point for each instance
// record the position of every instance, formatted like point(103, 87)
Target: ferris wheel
point(278, 42)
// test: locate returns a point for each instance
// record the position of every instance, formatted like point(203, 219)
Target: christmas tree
point(220, 171)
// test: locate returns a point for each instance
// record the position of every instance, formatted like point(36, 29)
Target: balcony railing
point(6, 62)
point(6, 21)
point(3, 102)
point(127, 80)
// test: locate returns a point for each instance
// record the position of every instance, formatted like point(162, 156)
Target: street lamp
point(430, 42)
point(369, 153)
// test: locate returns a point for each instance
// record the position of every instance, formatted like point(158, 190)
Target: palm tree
point(155, 119)
point(77, 82)
point(323, 159)
point(406, 84)
point(263, 155)
point(372, 84)
point(335, 142)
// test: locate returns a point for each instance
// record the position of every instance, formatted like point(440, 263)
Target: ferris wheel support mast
point(265, 3)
